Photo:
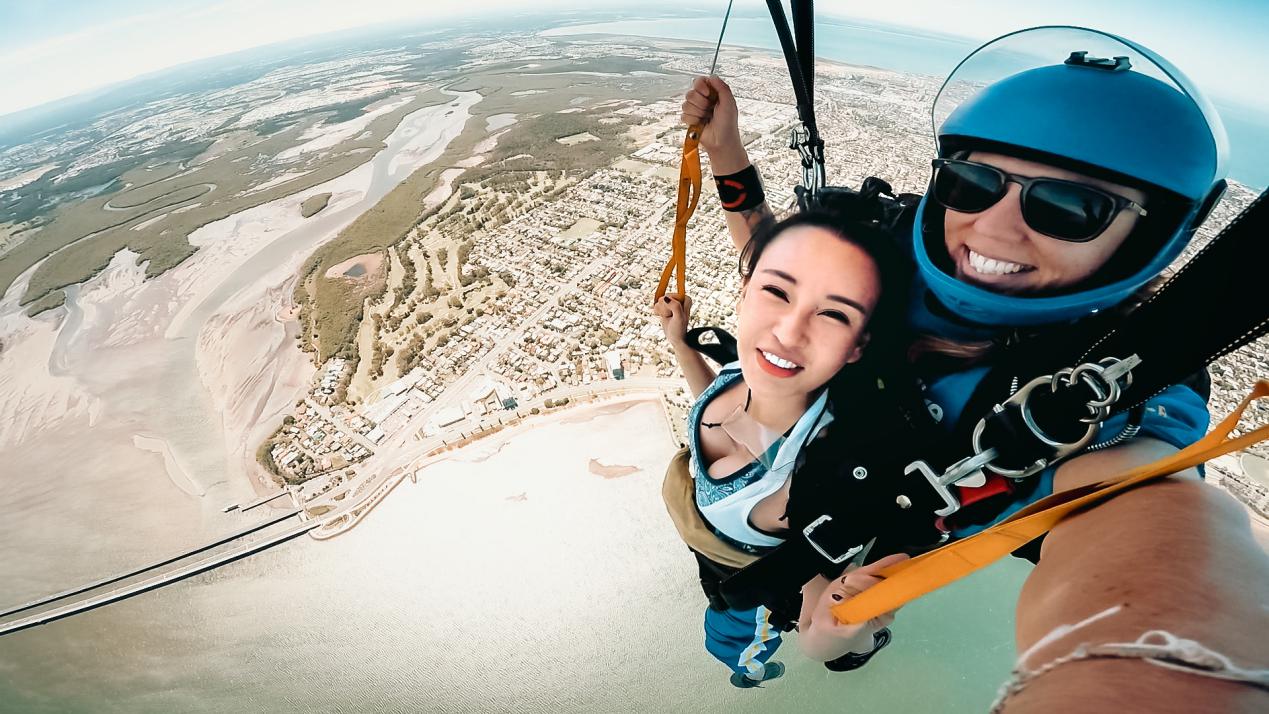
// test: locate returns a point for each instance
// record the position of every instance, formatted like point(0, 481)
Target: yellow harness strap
point(925, 573)
point(689, 194)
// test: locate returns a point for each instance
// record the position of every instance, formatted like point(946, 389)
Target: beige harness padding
point(679, 493)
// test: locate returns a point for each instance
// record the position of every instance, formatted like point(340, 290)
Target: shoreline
point(496, 442)
point(175, 472)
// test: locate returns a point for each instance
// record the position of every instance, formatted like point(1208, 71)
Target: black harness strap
point(799, 56)
point(804, 29)
point(1219, 299)
point(723, 350)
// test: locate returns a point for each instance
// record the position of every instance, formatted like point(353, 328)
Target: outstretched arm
point(710, 102)
point(1177, 555)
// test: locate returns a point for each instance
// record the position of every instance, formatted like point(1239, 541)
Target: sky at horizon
point(52, 49)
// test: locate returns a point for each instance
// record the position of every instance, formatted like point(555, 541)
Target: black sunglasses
point(1066, 210)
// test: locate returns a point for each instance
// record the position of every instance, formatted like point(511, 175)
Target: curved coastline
point(152, 334)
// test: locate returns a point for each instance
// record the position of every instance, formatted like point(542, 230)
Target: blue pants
point(741, 639)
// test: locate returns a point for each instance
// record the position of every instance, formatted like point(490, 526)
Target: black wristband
point(854, 660)
point(740, 191)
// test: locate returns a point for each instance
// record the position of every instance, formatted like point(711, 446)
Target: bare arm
point(674, 317)
point(710, 102)
point(1177, 555)
point(698, 374)
point(741, 224)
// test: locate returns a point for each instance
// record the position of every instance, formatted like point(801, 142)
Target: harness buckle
point(1102, 379)
point(811, 149)
point(835, 560)
point(969, 468)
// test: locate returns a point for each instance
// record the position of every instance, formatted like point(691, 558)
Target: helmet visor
point(1038, 47)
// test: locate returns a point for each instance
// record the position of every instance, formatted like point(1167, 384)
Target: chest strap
point(923, 574)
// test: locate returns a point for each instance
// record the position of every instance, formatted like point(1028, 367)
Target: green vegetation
point(33, 201)
point(264, 456)
point(55, 299)
point(537, 137)
point(409, 277)
point(333, 313)
point(313, 205)
point(159, 183)
point(338, 312)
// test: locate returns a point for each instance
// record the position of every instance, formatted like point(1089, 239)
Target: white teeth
point(782, 363)
point(991, 266)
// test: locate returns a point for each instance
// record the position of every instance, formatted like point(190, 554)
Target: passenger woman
point(815, 291)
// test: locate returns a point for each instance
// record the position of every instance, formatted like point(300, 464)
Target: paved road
point(410, 456)
point(182, 566)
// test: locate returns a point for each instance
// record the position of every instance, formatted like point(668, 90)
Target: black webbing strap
point(1213, 305)
point(799, 57)
point(722, 350)
point(804, 33)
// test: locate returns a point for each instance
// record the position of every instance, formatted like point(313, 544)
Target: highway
point(184, 565)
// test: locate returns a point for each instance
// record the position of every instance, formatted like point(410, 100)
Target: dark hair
point(887, 325)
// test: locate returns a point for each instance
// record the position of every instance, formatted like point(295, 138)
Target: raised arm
point(711, 103)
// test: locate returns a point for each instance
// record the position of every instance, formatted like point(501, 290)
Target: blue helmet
point(1136, 121)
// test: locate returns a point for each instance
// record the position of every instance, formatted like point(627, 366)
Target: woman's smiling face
point(803, 311)
point(997, 250)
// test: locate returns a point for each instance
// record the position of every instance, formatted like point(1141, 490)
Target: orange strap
point(689, 194)
point(925, 573)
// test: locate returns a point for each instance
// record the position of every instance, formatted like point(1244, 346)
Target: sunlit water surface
point(516, 580)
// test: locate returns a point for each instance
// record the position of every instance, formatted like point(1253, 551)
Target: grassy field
point(314, 205)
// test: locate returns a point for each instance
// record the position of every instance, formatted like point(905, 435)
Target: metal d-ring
point(1022, 398)
point(1094, 376)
